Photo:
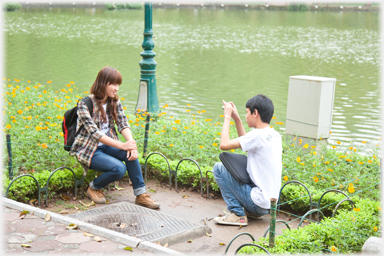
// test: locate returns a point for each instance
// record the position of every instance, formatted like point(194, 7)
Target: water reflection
point(205, 56)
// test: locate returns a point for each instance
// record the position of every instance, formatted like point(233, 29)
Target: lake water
point(207, 55)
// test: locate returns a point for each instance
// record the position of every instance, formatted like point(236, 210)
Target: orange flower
point(375, 228)
point(44, 145)
point(285, 178)
point(333, 248)
point(351, 189)
point(315, 179)
point(201, 146)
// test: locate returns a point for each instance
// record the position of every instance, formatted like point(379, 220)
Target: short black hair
point(264, 106)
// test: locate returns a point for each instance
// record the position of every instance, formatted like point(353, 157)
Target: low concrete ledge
point(373, 245)
point(158, 249)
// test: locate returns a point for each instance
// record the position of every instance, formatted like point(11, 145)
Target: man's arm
point(226, 143)
point(239, 125)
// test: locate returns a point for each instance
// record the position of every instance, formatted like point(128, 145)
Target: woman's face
point(111, 90)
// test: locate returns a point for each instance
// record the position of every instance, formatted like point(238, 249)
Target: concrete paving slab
point(72, 238)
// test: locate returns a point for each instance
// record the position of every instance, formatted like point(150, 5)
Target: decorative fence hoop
point(145, 165)
point(298, 182)
point(342, 201)
point(201, 174)
point(286, 224)
point(206, 182)
point(337, 191)
point(255, 245)
point(309, 212)
point(37, 184)
point(234, 238)
point(80, 182)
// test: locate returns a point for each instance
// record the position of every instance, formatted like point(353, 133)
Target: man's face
point(251, 118)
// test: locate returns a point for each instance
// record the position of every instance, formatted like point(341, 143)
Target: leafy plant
point(12, 6)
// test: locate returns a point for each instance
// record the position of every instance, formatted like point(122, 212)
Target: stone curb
point(103, 232)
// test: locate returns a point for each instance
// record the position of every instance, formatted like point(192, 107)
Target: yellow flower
point(214, 144)
point(364, 142)
point(157, 133)
point(14, 121)
point(300, 141)
point(361, 162)
point(334, 147)
point(171, 145)
point(203, 111)
point(72, 82)
point(19, 111)
point(44, 145)
point(232, 150)
point(351, 189)
point(298, 159)
point(327, 162)
point(208, 120)
point(174, 128)
point(8, 126)
point(333, 248)
point(330, 170)
point(375, 228)
point(302, 164)
point(313, 146)
point(122, 98)
point(177, 121)
point(285, 178)
point(186, 127)
point(221, 115)
point(188, 110)
point(305, 146)
point(348, 160)
point(314, 152)
point(201, 146)
point(356, 209)
point(281, 123)
point(17, 80)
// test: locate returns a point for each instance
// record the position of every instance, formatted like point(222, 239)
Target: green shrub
point(298, 7)
point(12, 6)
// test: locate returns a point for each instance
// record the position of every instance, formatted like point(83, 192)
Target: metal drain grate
point(140, 222)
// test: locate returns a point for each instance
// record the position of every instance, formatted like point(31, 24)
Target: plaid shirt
point(87, 140)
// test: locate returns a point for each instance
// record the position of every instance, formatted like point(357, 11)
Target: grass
point(33, 114)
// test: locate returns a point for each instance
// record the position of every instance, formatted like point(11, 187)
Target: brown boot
point(146, 201)
point(97, 195)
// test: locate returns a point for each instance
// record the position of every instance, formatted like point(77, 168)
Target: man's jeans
point(235, 194)
point(108, 160)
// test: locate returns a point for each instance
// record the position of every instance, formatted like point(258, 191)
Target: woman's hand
point(129, 145)
point(132, 155)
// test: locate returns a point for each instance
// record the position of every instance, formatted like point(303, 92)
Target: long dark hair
point(105, 77)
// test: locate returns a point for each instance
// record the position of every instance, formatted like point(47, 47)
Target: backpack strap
point(87, 100)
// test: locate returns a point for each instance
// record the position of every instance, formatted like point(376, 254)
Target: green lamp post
point(147, 99)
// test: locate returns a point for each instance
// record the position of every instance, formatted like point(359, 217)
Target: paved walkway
point(34, 234)
point(53, 237)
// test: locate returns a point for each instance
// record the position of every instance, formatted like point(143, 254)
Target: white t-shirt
point(264, 166)
point(105, 127)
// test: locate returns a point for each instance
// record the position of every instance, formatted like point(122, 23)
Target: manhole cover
point(141, 222)
point(127, 223)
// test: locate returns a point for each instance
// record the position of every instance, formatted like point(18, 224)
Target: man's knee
point(218, 169)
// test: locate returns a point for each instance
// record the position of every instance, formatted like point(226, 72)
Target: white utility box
point(309, 106)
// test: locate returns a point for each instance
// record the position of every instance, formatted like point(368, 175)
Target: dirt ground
point(187, 204)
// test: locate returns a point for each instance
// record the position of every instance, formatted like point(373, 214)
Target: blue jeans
point(108, 160)
point(235, 194)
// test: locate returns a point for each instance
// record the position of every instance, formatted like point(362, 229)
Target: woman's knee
point(119, 170)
